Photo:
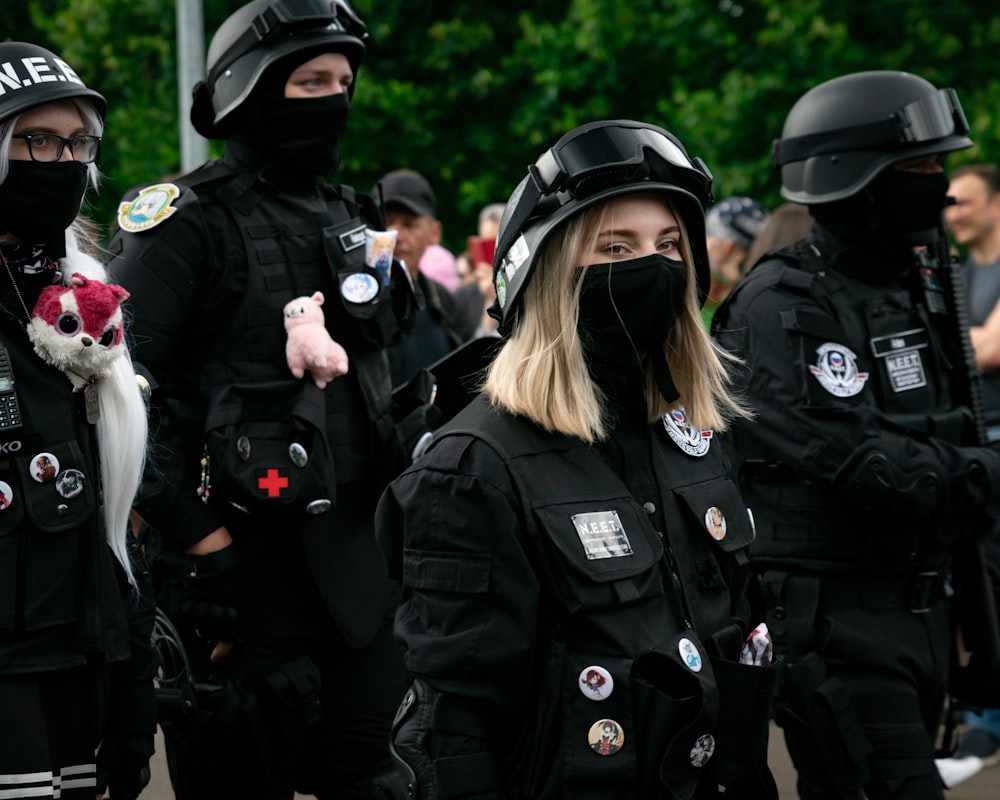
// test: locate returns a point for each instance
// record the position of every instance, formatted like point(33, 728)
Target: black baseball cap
point(411, 190)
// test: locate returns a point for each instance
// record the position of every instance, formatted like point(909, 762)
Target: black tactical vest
point(59, 597)
point(622, 660)
point(292, 246)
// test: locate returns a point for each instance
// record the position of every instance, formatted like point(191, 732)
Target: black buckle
point(923, 592)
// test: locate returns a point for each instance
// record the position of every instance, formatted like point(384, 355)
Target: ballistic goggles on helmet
point(931, 117)
point(590, 164)
point(285, 18)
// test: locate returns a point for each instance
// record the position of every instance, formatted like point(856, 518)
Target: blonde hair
point(541, 372)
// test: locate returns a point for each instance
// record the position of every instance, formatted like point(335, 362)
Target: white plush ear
point(318, 298)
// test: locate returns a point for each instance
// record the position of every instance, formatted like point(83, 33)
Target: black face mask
point(910, 202)
point(302, 135)
point(629, 308)
point(38, 202)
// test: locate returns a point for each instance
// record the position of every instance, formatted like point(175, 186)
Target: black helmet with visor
point(592, 163)
point(264, 31)
point(841, 134)
point(31, 76)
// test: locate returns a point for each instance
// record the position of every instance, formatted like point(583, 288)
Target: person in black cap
point(731, 226)
point(862, 465)
point(572, 550)
point(264, 485)
point(77, 704)
point(410, 209)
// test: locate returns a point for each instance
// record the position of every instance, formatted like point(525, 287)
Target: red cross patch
point(271, 483)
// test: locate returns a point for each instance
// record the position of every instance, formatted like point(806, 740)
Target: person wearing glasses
point(77, 703)
point(864, 465)
point(573, 625)
point(262, 487)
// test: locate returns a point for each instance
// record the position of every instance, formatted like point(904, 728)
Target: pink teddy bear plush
point(309, 346)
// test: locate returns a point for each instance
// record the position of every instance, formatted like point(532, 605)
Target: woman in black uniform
point(572, 549)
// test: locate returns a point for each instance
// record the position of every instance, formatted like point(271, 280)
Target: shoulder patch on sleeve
point(152, 206)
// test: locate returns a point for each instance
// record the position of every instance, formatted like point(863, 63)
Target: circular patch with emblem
point(836, 370)
point(692, 441)
point(359, 287)
point(606, 737)
point(704, 747)
point(689, 655)
point(153, 205)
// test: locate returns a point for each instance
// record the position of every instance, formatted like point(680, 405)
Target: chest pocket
point(601, 554)
point(47, 519)
point(716, 508)
point(907, 373)
point(832, 371)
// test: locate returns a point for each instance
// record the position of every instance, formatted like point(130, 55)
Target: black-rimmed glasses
point(48, 147)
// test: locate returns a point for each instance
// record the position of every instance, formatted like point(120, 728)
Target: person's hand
point(212, 595)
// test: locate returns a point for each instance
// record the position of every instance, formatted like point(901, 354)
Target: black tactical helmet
point(264, 31)
point(842, 133)
point(588, 165)
point(33, 76)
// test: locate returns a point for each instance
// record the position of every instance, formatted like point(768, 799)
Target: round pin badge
point(359, 287)
point(243, 448)
point(689, 655)
point(298, 454)
point(319, 506)
point(6, 496)
point(69, 483)
point(715, 523)
point(44, 467)
point(704, 747)
point(606, 737)
point(596, 683)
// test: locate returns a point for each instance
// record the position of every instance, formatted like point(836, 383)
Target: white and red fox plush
point(310, 346)
point(78, 328)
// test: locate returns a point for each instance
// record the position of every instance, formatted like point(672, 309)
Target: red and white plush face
point(78, 328)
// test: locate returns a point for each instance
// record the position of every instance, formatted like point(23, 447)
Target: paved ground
point(984, 786)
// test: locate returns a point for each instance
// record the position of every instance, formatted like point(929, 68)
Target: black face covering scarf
point(38, 202)
point(910, 202)
point(629, 308)
point(302, 135)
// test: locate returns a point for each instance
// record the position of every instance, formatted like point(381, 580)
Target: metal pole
point(190, 70)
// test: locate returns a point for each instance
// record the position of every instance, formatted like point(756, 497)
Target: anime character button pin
point(688, 438)
point(153, 205)
point(715, 523)
point(836, 370)
point(359, 287)
point(701, 752)
point(44, 467)
point(69, 483)
point(689, 655)
point(606, 737)
point(6, 495)
point(596, 683)
point(298, 454)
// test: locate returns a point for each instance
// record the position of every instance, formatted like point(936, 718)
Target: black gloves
point(210, 596)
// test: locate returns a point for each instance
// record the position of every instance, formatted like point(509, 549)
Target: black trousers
point(50, 728)
point(293, 707)
point(882, 683)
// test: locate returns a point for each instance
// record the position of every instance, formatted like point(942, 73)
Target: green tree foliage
point(470, 93)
